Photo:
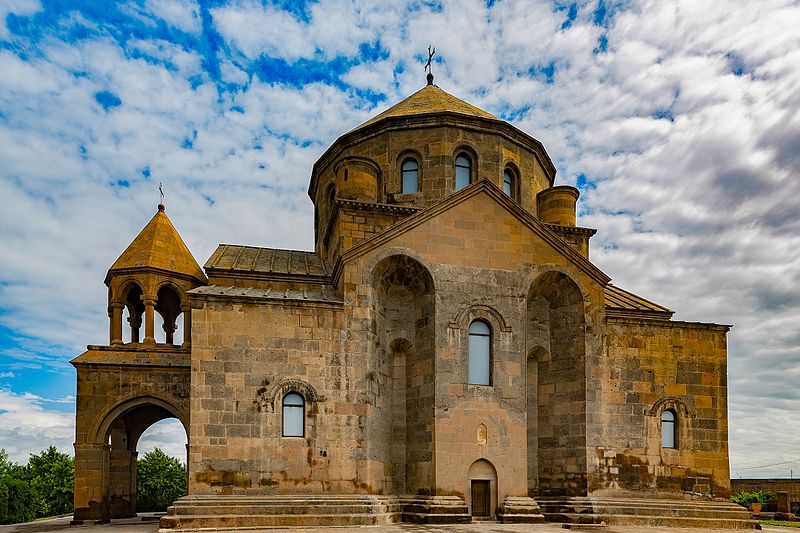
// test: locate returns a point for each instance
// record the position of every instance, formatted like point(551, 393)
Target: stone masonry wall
point(245, 356)
point(649, 366)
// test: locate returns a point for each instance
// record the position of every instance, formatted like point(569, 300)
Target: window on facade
point(480, 351)
point(508, 182)
point(463, 171)
point(294, 414)
point(668, 425)
point(410, 175)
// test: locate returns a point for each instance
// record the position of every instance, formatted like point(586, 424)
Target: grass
point(783, 523)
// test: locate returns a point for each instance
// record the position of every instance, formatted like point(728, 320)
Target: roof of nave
point(252, 259)
point(159, 246)
point(621, 302)
point(429, 99)
point(325, 294)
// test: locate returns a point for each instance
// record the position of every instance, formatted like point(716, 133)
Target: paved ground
point(139, 526)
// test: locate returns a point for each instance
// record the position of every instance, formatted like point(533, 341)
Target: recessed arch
point(372, 267)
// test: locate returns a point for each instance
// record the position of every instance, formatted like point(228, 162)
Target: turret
point(152, 276)
point(556, 205)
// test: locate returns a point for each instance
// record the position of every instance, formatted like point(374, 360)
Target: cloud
point(27, 426)
point(679, 118)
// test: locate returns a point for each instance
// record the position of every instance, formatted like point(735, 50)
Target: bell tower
point(152, 275)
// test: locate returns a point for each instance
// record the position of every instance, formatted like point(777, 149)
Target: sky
point(679, 121)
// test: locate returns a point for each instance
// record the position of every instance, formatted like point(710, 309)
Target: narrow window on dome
point(410, 175)
point(479, 353)
point(463, 171)
point(294, 414)
point(508, 182)
point(668, 425)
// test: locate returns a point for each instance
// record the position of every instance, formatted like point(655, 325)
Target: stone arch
point(132, 298)
point(477, 311)
point(113, 441)
point(403, 310)
point(670, 402)
point(272, 396)
point(371, 268)
point(556, 335)
point(479, 473)
point(98, 432)
point(170, 304)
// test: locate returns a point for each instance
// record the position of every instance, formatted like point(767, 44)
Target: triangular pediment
point(491, 221)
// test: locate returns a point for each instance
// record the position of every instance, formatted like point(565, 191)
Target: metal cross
point(428, 65)
point(161, 192)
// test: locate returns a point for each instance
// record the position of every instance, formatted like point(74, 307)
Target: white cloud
point(182, 14)
point(257, 29)
point(27, 427)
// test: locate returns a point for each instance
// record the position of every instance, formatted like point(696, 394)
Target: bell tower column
point(149, 320)
point(187, 324)
point(115, 314)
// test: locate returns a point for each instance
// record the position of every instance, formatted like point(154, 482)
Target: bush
point(160, 480)
point(17, 501)
point(746, 498)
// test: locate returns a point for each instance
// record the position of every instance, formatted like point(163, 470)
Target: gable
point(479, 227)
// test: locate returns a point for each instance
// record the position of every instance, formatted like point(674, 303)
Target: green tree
point(17, 497)
point(51, 474)
point(160, 480)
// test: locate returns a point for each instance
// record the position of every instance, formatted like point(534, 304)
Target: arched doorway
point(482, 478)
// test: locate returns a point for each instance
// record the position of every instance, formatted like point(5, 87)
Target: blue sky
point(677, 120)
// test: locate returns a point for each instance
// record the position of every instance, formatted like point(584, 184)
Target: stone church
point(448, 352)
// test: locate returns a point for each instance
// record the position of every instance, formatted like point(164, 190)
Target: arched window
point(410, 175)
point(294, 415)
point(668, 426)
point(463, 171)
point(508, 182)
point(480, 353)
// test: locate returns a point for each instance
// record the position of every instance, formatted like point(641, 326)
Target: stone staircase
point(647, 512)
point(239, 511)
point(229, 512)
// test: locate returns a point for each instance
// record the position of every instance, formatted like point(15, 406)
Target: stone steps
point(232, 521)
point(231, 512)
point(653, 521)
point(647, 512)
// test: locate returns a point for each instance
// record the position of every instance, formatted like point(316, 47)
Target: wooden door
point(480, 497)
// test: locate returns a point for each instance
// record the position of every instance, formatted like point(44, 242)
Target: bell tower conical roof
point(159, 246)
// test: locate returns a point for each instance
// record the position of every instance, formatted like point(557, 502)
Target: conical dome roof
point(429, 99)
point(159, 246)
